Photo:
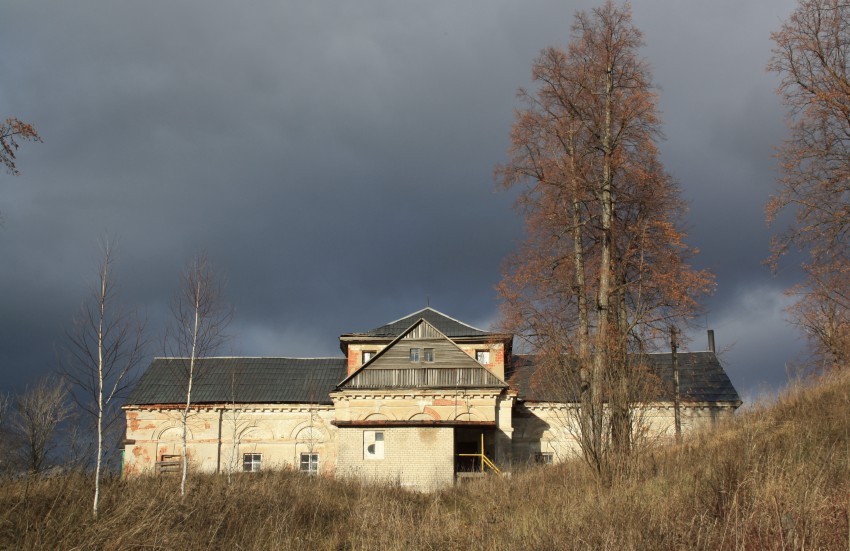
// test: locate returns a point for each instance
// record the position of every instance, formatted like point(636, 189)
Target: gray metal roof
point(241, 380)
point(446, 325)
point(701, 379)
point(311, 380)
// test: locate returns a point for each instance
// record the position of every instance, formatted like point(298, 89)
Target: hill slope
point(777, 477)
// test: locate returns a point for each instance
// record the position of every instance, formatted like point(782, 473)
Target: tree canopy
point(812, 56)
point(604, 269)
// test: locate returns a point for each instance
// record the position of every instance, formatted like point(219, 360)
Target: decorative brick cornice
point(412, 423)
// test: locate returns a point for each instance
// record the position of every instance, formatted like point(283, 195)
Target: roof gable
point(396, 367)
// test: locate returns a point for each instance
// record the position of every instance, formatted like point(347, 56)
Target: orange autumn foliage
point(604, 270)
point(812, 56)
point(11, 132)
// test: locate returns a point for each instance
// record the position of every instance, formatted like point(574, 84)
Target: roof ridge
point(531, 354)
point(252, 358)
point(436, 312)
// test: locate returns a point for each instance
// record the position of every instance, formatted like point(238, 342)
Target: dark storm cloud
point(335, 160)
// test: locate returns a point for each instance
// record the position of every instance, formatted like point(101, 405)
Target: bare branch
point(12, 131)
point(605, 267)
point(37, 414)
point(200, 318)
point(812, 57)
point(102, 351)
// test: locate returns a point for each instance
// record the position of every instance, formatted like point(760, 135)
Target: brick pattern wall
point(551, 428)
point(280, 435)
point(420, 458)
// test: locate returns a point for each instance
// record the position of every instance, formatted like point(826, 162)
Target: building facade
point(421, 402)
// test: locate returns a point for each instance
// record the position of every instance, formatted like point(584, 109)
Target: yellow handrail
point(490, 464)
point(485, 461)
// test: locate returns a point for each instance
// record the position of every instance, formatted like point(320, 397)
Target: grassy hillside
point(776, 478)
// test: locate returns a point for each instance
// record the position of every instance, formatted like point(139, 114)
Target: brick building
point(420, 401)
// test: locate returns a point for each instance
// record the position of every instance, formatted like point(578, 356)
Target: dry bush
point(776, 477)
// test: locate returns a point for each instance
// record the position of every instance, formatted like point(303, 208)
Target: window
point(251, 462)
point(428, 354)
point(483, 356)
point(414, 354)
point(368, 355)
point(373, 444)
point(544, 458)
point(309, 463)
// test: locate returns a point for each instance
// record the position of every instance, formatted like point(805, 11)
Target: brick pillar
point(353, 360)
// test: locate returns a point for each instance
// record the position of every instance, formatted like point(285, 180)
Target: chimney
point(711, 340)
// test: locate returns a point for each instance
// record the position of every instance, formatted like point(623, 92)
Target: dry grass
point(778, 477)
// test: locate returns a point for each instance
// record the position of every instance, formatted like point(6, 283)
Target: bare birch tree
point(237, 424)
point(310, 436)
point(200, 318)
point(104, 347)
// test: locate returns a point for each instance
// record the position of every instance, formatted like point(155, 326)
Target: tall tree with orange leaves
point(812, 56)
point(604, 270)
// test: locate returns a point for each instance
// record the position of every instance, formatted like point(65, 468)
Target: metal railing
point(485, 461)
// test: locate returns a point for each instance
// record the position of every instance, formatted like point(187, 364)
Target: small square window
point(368, 355)
point(543, 458)
point(373, 444)
point(309, 463)
point(483, 356)
point(251, 462)
point(428, 354)
point(414, 354)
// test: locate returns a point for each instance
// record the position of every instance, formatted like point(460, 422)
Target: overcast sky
point(335, 161)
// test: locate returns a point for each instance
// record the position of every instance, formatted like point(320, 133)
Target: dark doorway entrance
point(467, 442)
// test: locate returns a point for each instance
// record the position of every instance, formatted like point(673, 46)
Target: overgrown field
point(776, 478)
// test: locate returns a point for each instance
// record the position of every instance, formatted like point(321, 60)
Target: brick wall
point(279, 434)
point(419, 458)
point(552, 428)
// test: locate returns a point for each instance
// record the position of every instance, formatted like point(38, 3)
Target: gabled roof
point(446, 325)
point(460, 371)
point(240, 380)
point(701, 379)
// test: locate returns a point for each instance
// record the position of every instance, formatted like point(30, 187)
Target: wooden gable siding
point(446, 355)
point(423, 330)
point(451, 367)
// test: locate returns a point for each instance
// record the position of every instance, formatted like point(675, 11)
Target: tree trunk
point(603, 301)
point(195, 327)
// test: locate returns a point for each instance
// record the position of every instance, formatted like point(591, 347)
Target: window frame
point(428, 355)
point(312, 463)
point(374, 439)
point(255, 465)
point(486, 355)
point(544, 458)
point(364, 353)
point(414, 355)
